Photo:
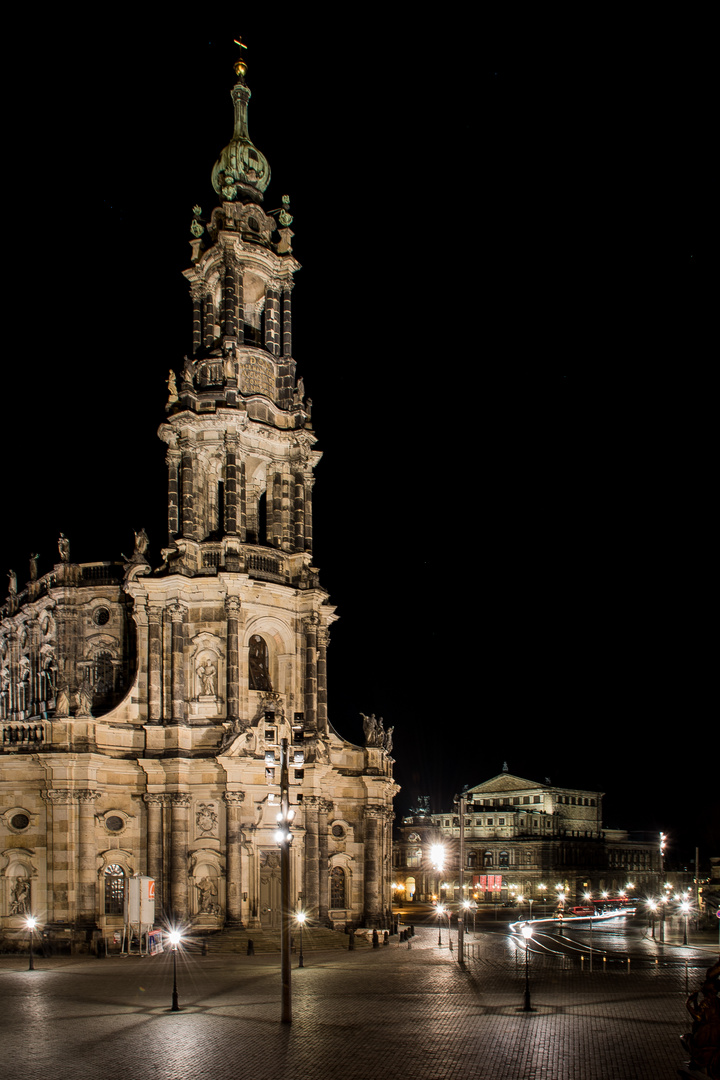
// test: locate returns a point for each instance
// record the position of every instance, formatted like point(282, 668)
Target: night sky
point(502, 323)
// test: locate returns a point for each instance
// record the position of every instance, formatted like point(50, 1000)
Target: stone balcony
point(209, 558)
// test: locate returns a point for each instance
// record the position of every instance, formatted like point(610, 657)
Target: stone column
point(60, 850)
point(177, 615)
point(299, 511)
point(232, 613)
point(155, 663)
point(209, 327)
point(155, 805)
point(240, 308)
point(187, 496)
point(323, 640)
point(311, 890)
point(87, 851)
point(179, 856)
point(229, 300)
point(233, 802)
point(242, 503)
point(231, 486)
point(309, 481)
point(287, 320)
point(172, 459)
point(272, 321)
point(310, 626)
point(197, 320)
point(372, 868)
point(273, 507)
point(323, 869)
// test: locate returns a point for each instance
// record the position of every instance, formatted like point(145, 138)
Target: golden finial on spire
point(240, 65)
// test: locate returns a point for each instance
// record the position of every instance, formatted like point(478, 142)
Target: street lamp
point(440, 912)
point(175, 937)
point(31, 923)
point(526, 931)
point(300, 918)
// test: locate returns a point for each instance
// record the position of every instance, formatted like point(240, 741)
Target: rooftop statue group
point(375, 733)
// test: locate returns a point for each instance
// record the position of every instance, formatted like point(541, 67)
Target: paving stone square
point(395, 1012)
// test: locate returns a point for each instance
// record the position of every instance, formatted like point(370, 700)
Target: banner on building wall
point(487, 882)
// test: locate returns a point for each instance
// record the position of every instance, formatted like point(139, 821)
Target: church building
point(143, 710)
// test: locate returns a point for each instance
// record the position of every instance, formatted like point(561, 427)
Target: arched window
point(259, 664)
point(337, 887)
point(488, 858)
point(114, 889)
point(504, 858)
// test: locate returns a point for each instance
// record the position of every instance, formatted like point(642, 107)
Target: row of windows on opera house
point(520, 837)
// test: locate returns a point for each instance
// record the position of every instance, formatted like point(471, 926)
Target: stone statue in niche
point(20, 903)
point(258, 664)
point(206, 674)
point(207, 890)
point(206, 818)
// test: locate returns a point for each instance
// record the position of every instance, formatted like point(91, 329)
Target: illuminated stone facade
point(520, 834)
point(143, 710)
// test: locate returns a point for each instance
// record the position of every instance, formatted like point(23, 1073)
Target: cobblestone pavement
point(392, 1012)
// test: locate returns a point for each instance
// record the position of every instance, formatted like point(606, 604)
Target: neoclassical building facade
point(521, 837)
point(143, 710)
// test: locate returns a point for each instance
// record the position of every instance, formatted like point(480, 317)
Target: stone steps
point(268, 941)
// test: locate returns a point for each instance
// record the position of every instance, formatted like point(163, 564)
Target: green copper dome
point(241, 172)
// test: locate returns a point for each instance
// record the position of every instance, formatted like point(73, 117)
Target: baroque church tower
point(143, 711)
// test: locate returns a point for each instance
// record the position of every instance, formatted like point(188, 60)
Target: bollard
point(412, 930)
point(375, 940)
point(386, 938)
point(250, 947)
point(409, 943)
point(351, 939)
point(203, 951)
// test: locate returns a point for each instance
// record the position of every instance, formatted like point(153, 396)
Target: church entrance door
point(270, 890)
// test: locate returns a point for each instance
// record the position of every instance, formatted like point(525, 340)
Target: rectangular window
point(501, 821)
point(489, 821)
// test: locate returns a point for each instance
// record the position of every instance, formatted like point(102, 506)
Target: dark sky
point(501, 320)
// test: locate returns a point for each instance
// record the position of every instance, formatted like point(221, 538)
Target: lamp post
point(653, 908)
point(174, 936)
point(31, 923)
point(526, 931)
point(440, 912)
point(685, 908)
point(300, 918)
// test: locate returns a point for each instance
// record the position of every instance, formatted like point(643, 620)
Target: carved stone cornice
point(68, 795)
point(180, 798)
point(232, 606)
point(375, 812)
